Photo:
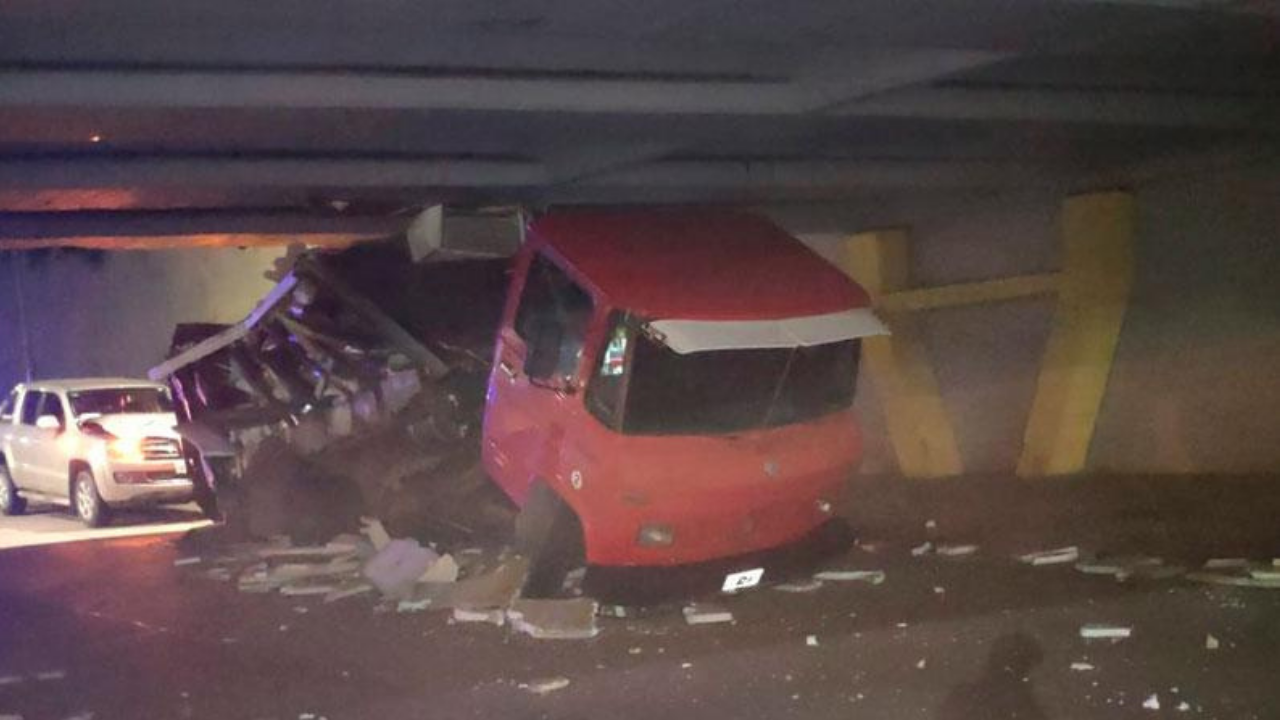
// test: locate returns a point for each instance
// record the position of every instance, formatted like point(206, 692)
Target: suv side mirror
point(48, 422)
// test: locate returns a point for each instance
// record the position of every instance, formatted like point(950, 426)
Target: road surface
point(45, 524)
point(113, 629)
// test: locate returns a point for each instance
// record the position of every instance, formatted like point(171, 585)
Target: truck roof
point(103, 383)
point(697, 264)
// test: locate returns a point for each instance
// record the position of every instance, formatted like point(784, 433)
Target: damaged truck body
point(651, 388)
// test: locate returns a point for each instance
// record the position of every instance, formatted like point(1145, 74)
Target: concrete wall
point(94, 314)
point(1196, 382)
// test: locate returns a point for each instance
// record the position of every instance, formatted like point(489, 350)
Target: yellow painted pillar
point(898, 365)
point(1097, 234)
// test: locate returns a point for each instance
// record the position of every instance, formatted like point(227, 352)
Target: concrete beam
point(1103, 107)
point(89, 171)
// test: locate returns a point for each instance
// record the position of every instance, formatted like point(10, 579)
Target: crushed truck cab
point(682, 380)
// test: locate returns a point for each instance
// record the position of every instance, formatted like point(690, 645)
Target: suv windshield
point(119, 401)
point(722, 391)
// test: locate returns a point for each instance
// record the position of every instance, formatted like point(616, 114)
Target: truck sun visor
point(691, 336)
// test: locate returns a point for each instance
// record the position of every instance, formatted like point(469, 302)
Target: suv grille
point(156, 448)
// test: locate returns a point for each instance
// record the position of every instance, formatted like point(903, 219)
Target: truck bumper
point(651, 585)
point(142, 484)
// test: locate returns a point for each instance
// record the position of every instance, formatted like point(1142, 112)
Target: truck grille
point(157, 448)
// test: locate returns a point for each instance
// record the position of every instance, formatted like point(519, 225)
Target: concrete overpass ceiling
point(329, 109)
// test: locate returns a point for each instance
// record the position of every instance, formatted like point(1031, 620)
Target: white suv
point(93, 444)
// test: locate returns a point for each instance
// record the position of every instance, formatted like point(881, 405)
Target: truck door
point(531, 386)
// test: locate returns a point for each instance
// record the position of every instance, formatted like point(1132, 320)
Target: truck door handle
point(507, 369)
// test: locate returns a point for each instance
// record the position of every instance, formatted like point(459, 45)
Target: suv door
point(23, 435)
point(49, 458)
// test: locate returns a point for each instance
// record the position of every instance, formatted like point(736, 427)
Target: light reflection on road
point(46, 525)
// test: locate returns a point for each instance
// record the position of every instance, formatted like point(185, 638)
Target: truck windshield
point(118, 401)
point(728, 391)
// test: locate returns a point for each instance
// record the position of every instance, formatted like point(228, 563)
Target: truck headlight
point(655, 535)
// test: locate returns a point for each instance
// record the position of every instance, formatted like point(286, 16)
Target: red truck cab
point(682, 380)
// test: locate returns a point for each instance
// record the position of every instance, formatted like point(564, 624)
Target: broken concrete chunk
point(875, 577)
point(545, 686)
point(444, 570)
point(1058, 556)
point(1081, 666)
point(1105, 632)
point(1225, 563)
point(496, 616)
point(956, 550)
point(408, 606)
point(493, 590)
point(346, 590)
point(555, 619)
point(398, 565)
point(802, 586)
point(1233, 580)
point(922, 549)
point(1259, 573)
point(193, 560)
point(1152, 702)
point(376, 533)
point(811, 640)
point(706, 614)
point(1211, 642)
point(307, 589)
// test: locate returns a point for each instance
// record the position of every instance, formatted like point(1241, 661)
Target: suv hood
point(139, 424)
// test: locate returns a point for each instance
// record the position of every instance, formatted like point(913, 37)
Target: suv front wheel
point(11, 503)
point(86, 502)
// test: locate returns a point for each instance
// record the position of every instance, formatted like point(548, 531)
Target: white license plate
point(180, 467)
point(733, 582)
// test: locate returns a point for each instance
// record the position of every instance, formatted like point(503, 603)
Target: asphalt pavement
point(112, 629)
point(46, 524)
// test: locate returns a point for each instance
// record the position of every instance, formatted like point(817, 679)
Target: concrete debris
point(409, 606)
point(193, 560)
point(1151, 703)
point(706, 614)
point(613, 611)
point(296, 589)
point(1233, 580)
point(922, 549)
point(1259, 573)
point(948, 550)
point(871, 546)
point(545, 686)
point(1184, 706)
point(1211, 642)
point(348, 589)
point(555, 619)
point(377, 534)
point(939, 590)
point(931, 525)
point(922, 664)
point(398, 565)
point(494, 617)
point(1081, 666)
point(1057, 556)
point(1225, 563)
point(1105, 632)
point(51, 675)
point(1124, 567)
point(444, 570)
point(875, 577)
point(220, 574)
point(811, 641)
point(1275, 562)
point(802, 586)
point(328, 550)
point(493, 590)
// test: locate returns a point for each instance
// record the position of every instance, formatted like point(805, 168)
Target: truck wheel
point(11, 503)
point(549, 534)
point(86, 501)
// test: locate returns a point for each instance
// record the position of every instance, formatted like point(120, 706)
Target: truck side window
point(552, 320)
point(8, 408)
point(53, 406)
point(31, 407)
point(608, 382)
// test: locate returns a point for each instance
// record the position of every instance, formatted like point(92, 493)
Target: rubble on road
point(874, 577)
point(545, 686)
point(922, 549)
point(1211, 642)
point(1082, 666)
point(554, 619)
point(397, 566)
point(1105, 632)
point(1057, 556)
point(802, 586)
point(706, 614)
point(1225, 563)
point(954, 550)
